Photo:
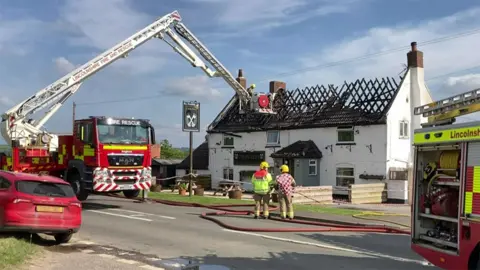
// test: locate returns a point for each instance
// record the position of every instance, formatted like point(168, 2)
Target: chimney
point(415, 57)
point(241, 79)
point(275, 86)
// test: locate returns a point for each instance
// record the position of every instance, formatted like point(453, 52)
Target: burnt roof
point(200, 158)
point(362, 102)
point(299, 149)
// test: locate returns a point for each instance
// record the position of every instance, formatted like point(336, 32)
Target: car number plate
point(50, 209)
point(125, 187)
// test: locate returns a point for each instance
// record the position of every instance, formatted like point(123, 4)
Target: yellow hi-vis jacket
point(262, 182)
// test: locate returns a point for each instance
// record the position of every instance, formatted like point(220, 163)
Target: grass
point(319, 209)
point(14, 252)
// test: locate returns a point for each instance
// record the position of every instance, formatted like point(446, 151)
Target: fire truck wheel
point(130, 194)
point(78, 186)
point(63, 238)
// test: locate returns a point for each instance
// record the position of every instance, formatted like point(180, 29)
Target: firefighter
point(285, 187)
point(262, 184)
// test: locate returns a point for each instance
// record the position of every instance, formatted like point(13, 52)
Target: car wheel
point(78, 187)
point(63, 238)
point(130, 194)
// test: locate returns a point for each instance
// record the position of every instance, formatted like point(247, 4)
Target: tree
point(169, 152)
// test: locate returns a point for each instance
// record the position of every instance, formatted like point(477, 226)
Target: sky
point(300, 42)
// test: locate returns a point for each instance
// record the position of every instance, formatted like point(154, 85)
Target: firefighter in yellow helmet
point(262, 184)
point(285, 187)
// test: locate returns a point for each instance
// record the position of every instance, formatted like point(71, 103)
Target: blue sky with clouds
point(43, 40)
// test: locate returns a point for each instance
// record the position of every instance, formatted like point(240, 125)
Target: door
point(4, 197)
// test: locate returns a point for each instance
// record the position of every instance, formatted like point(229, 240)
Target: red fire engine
point(446, 204)
point(106, 154)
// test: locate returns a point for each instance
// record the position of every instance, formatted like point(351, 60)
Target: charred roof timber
point(362, 102)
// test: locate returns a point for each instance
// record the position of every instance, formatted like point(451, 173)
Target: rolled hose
point(222, 210)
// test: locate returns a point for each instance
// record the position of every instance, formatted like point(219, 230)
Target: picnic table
point(226, 186)
point(178, 182)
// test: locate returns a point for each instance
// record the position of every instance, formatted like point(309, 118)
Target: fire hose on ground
point(224, 210)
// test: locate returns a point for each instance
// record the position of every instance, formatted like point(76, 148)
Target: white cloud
point(199, 86)
point(240, 17)
point(468, 81)
point(440, 58)
point(101, 30)
point(62, 65)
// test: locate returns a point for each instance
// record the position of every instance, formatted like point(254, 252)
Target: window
point(228, 141)
point(4, 183)
point(403, 130)
point(122, 134)
point(227, 174)
point(345, 135)
point(273, 137)
point(345, 176)
point(45, 189)
point(85, 132)
point(312, 167)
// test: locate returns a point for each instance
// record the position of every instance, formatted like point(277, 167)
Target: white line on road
point(127, 261)
point(368, 253)
point(142, 213)
point(107, 256)
point(149, 267)
point(119, 215)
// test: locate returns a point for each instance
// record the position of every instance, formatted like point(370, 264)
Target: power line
point(327, 65)
point(380, 53)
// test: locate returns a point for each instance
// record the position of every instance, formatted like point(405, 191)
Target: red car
point(39, 204)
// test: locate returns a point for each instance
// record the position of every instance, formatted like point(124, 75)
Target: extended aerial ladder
point(19, 129)
point(444, 112)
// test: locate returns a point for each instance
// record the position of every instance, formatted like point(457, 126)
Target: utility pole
point(74, 106)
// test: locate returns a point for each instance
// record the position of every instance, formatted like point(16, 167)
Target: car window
point(4, 183)
point(44, 189)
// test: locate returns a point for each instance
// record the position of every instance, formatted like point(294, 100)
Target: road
point(155, 236)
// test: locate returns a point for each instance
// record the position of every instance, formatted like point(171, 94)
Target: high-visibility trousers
point(286, 205)
point(261, 200)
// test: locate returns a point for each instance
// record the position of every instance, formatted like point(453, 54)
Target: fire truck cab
point(108, 154)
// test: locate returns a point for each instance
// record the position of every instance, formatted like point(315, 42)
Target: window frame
point(314, 164)
point(345, 129)
point(343, 176)
point(403, 132)
point(228, 137)
point(277, 142)
point(4, 180)
point(228, 173)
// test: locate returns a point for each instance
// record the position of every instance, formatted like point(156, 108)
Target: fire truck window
point(87, 132)
point(78, 131)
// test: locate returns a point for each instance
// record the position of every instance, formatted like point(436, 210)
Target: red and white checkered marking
point(102, 183)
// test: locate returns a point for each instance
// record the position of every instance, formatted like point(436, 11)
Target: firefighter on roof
point(262, 184)
point(285, 187)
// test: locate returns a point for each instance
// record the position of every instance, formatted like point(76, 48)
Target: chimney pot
point(414, 46)
point(240, 73)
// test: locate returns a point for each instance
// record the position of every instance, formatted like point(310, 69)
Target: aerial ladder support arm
point(446, 110)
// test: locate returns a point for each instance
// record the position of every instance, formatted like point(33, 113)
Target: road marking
point(107, 256)
point(149, 267)
point(137, 213)
point(87, 251)
point(154, 259)
point(85, 243)
point(368, 253)
point(119, 215)
point(126, 261)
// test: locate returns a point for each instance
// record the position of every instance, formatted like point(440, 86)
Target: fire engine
point(106, 154)
point(446, 184)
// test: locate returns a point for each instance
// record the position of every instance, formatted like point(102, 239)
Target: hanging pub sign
point(191, 116)
point(248, 158)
